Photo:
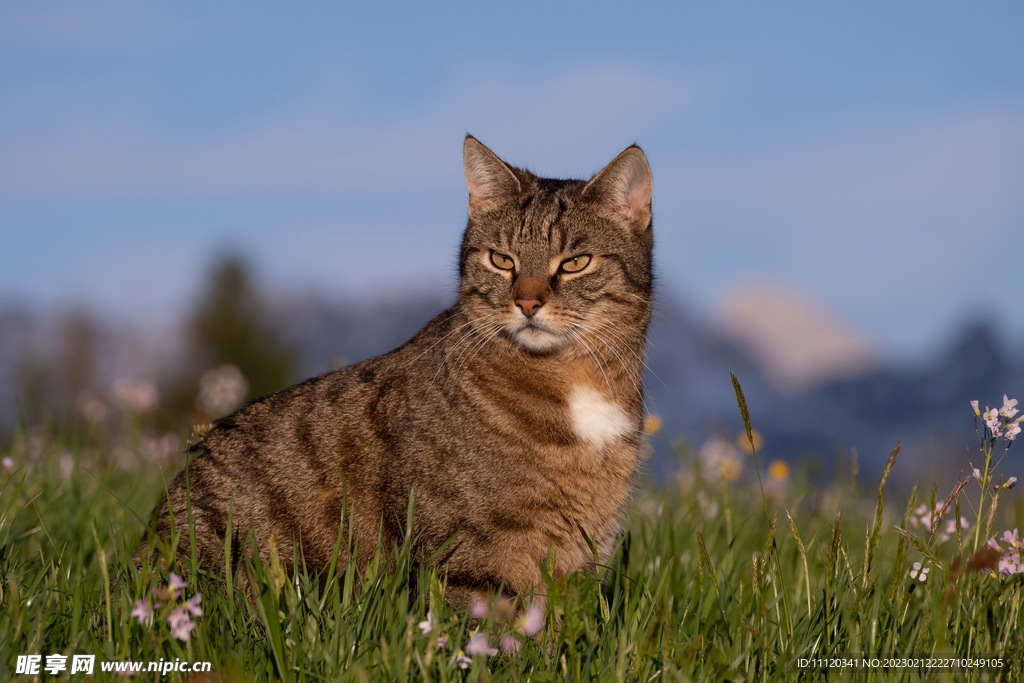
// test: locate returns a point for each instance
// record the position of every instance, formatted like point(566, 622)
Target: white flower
point(1009, 408)
point(977, 473)
point(720, 459)
point(922, 517)
point(1012, 430)
point(427, 624)
point(919, 572)
point(1010, 483)
point(977, 411)
point(8, 464)
point(136, 395)
point(992, 421)
point(91, 407)
point(160, 449)
point(950, 529)
point(221, 390)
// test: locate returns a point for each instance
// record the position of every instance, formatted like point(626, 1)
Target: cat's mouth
point(534, 335)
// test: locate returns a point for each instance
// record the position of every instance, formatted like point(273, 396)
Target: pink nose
point(528, 306)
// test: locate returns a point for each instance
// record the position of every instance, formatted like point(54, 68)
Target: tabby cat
point(514, 417)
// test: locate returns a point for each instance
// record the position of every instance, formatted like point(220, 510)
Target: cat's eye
point(502, 261)
point(575, 264)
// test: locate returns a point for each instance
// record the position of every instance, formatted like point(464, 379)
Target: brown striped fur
point(514, 431)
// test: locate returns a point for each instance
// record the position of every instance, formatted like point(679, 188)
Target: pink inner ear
point(638, 206)
point(636, 198)
point(487, 177)
point(626, 185)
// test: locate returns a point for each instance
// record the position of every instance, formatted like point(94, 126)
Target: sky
point(870, 155)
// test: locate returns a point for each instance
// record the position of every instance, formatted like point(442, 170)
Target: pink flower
point(1010, 559)
point(180, 623)
point(1010, 564)
point(193, 605)
point(143, 610)
point(478, 610)
point(533, 621)
point(463, 662)
point(171, 591)
point(480, 644)
point(509, 643)
point(442, 641)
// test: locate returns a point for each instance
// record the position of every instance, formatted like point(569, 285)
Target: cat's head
point(547, 264)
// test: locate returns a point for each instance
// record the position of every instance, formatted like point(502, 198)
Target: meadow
point(734, 570)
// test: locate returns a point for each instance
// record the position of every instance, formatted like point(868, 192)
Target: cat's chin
point(537, 340)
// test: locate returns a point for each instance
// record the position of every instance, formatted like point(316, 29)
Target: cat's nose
point(529, 306)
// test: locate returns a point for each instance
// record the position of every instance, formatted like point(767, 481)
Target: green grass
point(711, 582)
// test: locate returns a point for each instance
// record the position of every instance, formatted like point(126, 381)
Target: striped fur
point(514, 432)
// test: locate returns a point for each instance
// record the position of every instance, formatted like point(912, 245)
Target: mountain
point(688, 384)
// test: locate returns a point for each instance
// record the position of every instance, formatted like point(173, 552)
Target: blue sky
point(872, 155)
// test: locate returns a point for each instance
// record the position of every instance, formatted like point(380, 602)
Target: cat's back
point(330, 414)
point(286, 463)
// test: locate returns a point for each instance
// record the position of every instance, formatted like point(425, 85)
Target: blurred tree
point(233, 324)
point(34, 388)
point(77, 354)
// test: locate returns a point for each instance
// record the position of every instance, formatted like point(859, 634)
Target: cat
point(514, 418)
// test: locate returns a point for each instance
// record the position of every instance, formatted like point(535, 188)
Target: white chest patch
point(595, 418)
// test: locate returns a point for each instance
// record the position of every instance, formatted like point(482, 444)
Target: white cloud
point(328, 141)
point(967, 160)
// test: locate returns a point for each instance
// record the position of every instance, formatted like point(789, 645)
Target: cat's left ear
point(625, 187)
point(489, 179)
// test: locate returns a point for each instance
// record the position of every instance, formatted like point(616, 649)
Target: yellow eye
point(575, 264)
point(502, 261)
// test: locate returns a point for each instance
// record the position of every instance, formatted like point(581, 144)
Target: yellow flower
point(744, 443)
point(778, 470)
point(652, 424)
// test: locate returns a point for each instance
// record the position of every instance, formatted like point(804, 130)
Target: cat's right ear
point(625, 186)
point(488, 178)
